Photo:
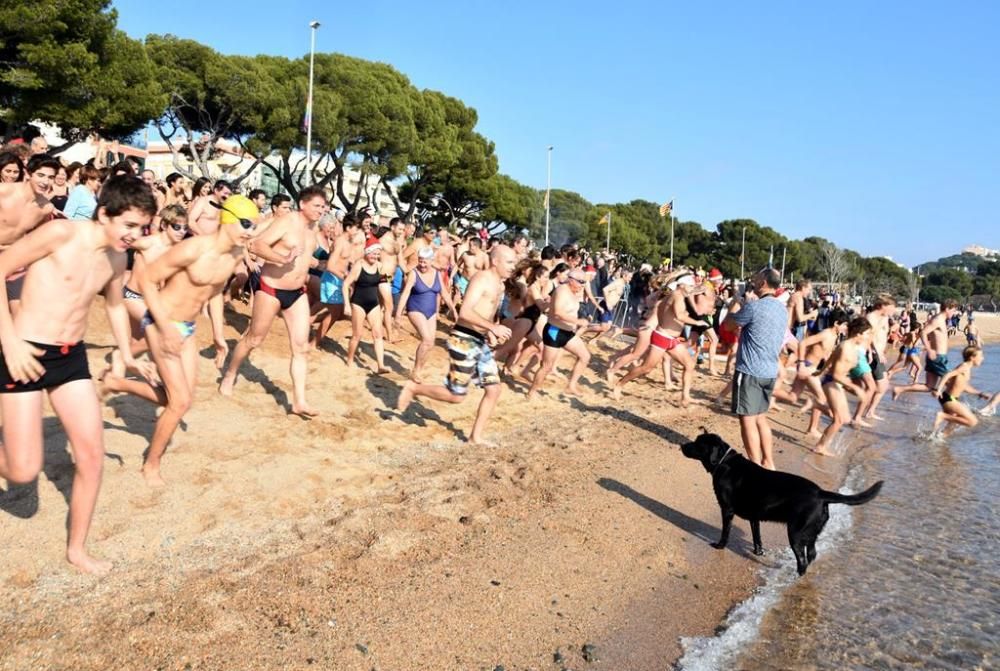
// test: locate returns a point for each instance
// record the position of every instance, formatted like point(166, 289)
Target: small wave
point(708, 653)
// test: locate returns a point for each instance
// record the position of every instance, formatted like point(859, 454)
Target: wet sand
point(363, 539)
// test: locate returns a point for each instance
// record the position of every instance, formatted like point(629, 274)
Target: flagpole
point(743, 254)
point(671, 235)
point(313, 25)
point(548, 195)
point(607, 247)
point(783, 250)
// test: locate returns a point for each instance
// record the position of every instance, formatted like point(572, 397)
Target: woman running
point(361, 293)
point(421, 298)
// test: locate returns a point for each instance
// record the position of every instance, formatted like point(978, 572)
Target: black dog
point(756, 494)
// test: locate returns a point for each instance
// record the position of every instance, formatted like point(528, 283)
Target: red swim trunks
point(663, 342)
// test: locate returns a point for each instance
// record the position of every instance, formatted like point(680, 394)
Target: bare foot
point(685, 402)
point(815, 435)
point(406, 396)
point(526, 375)
point(482, 442)
point(83, 561)
point(532, 395)
point(874, 417)
point(860, 424)
point(153, 477)
point(104, 385)
point(807, 406)
point(939, 420)
point(822, 451)
point(226, 386)
point(572, 391)
point(382, 370)
point(616, 393)
point(304, 410)
point(609, 377)
point(896, 391)
point(117, 364)
point(221, 352)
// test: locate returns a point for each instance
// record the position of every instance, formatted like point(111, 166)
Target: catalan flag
point(666, 208)
point(606, 219)
point(545, 200)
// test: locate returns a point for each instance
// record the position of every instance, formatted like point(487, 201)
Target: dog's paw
point(759, 551)
point(719, 546)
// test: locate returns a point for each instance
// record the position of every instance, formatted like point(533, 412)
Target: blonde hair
point(172, 214)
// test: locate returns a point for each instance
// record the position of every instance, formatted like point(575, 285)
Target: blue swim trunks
point(331, 289)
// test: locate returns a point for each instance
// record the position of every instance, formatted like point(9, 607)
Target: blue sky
point(874, 124)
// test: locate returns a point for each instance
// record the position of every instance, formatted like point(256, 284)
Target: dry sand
point(366, 540)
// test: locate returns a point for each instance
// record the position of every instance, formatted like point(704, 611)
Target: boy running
point(837, 377)
point(69, 263)
point(950, 389)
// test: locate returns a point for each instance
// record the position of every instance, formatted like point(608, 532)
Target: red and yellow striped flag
point(666, 208)
point(606, 219)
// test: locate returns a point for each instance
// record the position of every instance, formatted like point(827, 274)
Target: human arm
point(176, 259)
point(264, 245)
point(806, 343)
point(479, 287)
point(39, 243)
point(198, 208)
point(679, 307)
point(405, 295)
point(450, 302)
point(348, 287)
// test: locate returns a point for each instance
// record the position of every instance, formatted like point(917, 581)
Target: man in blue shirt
point(764, 325)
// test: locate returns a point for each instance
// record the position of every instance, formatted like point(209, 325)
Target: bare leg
point(549, 357)
point(297, 323)
point(490, 396)
point(654, 356)
point(577, 347)
point(265, 309)
point(378, 342)
point(425, 329)
point(215, 316)
point(750, 432)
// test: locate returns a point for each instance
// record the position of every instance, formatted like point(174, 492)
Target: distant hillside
point(969, 262)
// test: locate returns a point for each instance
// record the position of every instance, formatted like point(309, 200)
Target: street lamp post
point(313, 25)
point(743, 254)
point(548, 195)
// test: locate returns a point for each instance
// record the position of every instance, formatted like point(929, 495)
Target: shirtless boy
point(393, 245)
point(934, 336)
point(561, 333)
point(882, 310)
point(837, 378)
point(949, 392)
point(203, 218)
point(176, 286)
point(23, 206)
point(69, 263)
point(173, 228)
point(470, 346)
point(286, 248)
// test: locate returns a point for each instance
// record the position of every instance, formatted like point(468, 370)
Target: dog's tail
point(853, 499)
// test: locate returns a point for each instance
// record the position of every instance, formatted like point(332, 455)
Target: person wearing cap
point(286, 248)
point(203, 219)
point(421, 298)
point(175, 287)
point(560, 332)
point(43, 353)
point(361, 303)
point(470, 346)
point(672, 315)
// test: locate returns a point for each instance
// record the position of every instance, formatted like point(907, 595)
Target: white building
point(979, 250)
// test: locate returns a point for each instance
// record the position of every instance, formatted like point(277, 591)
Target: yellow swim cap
point(238, 207)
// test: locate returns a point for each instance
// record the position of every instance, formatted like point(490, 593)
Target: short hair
point(802, 284)
point(40, 161)
point(839, 316)
point(857, 326)
point(771, 278)
point(145, 170)
point(882, 300)
point(560, 268)
point(279, 198)
point(949, 304)
point(222, 184)
point(10, 158)
point(970, 352)
point(394, 221)
point(173, 177)
point(548, 253)
point(125, 192)
point(257, 192)
point(89, 172)
point(172, 214)
point(311, 192)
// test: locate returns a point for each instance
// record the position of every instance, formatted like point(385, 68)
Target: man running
point(950, 389)
point(286, 248)
point(69, 263)
point(934, 336)
point(798, 315)
point(175, 288)
point(393, 244)
point(203, 218)
point(561, 333)
point(470, 346)
point(882, 310)
point(330, 309)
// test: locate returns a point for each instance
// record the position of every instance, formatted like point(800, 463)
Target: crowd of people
point(161, 254)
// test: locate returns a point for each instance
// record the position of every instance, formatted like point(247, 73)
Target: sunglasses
point(245, 223)
point(179, 227)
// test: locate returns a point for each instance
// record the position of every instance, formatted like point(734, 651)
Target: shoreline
point(361, 540)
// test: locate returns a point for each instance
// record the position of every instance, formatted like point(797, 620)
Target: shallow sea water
point(909, 581)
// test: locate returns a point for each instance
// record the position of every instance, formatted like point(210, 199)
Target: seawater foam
point(703, 653)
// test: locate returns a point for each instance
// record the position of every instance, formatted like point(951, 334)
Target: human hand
point(21, 360)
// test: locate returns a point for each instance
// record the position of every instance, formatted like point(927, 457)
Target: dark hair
point(72, 169)
point(838, 316)
point(257, 192)
point(173, 177)
point(771, 278)
point(857, 326)
point(560, 268)
point(125, 192)
point(394, 221)
point(125, 167)
point(548, 253)
point(89, 172)
point(380, 231)
point(222, 184)
point(10, 158)
point(802, 284)
point(279, 198)
point(199, 184)
point(970, 352)
point(40, 161)
point(311, 192)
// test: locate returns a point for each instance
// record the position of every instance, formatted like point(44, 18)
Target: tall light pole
point(313, 25)
point(548, 195)
point(743, 254)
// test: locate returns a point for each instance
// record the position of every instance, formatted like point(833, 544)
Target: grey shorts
point(751, 395)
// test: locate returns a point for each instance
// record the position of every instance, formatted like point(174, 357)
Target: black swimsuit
point(365, 293)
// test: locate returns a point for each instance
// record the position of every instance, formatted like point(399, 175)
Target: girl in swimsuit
point(421, 299)
point(522, 304)
point(361, 292)
point(543, 284)
point(322, 255)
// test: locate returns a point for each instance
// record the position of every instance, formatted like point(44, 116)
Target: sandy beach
point(368, 540)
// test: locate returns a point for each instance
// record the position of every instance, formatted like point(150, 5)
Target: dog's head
point(708, 448)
